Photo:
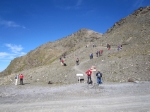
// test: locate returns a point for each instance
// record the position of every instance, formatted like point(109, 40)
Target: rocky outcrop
point(138, 12)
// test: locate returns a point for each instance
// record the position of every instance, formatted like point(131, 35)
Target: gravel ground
point(108, 97)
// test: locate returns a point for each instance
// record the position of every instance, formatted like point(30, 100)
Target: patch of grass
point(121, 71)
point(114, 72)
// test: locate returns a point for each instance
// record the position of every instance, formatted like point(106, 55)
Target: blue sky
point(27, 24)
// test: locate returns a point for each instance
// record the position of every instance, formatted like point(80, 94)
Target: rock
point(49, 82)
point(136, 81)
point(130, 80)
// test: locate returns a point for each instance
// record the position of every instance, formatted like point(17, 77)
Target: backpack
point(99, 75)
point(15, 77)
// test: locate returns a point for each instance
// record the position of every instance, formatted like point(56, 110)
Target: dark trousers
point(89, 79)
point(21, 81)
point(77, 62)
point(99, 80)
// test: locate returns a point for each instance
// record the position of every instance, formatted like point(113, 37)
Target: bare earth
point(108, 97)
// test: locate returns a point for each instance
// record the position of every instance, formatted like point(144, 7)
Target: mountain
point(51, 51)
point(132, 62)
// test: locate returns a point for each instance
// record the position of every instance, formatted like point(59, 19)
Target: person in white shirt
point(16, 79)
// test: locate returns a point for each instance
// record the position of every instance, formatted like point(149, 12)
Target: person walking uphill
point(77, 61)
point(21, 79)
point(62, 62)
point(99, 76)
point(89, 73)
point(108, 46)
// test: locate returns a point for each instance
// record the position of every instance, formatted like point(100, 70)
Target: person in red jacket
point(62, 62)
point(21, 79)
point(89, 73)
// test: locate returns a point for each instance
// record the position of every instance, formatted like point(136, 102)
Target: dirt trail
point(77, 67)
point(109, 97)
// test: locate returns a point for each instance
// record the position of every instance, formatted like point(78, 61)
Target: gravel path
point(108, 97)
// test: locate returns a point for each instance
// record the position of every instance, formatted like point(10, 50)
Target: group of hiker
point(118, 48)
point(62, 61)
point(88, 72)
point(98, 75)
point(17, 77)
point(99, 53)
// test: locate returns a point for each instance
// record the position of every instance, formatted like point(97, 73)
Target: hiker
point(21, 79)
point(91, 56)
point(119, 47)
point(89, 73)
point(64, 55)
point(101, 52)
point(62, 62)
point(97, 53)
point(77, 61)
point(108, 46)
point(99, 76)
point(16, 79)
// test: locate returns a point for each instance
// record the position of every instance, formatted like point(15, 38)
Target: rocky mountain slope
point(51, 51)
point(132, 62)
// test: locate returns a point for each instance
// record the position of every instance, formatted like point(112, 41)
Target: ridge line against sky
point(27, 24)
